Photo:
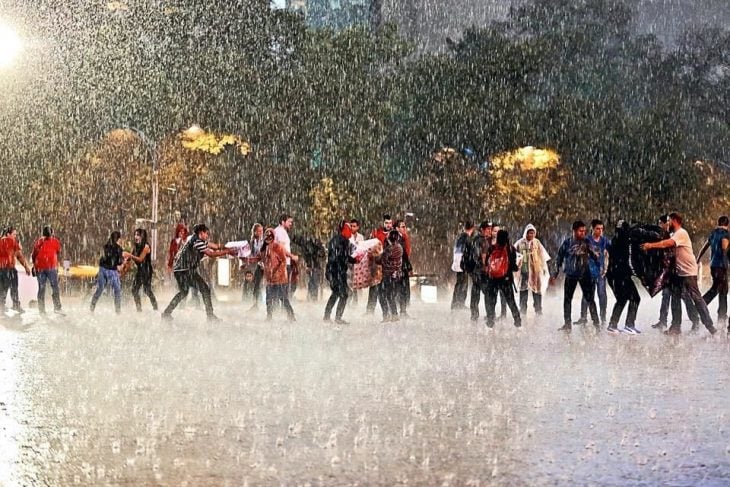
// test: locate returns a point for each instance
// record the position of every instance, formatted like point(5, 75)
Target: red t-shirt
point(45, 253)
point(8, 247)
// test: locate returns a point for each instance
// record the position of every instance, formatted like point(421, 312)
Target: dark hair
point(8, 230)
point(284, 217)
point(386, 217)
point(47, 231)
point(200, 227)
point(142, 233)
point(394, 235)
point(495, 224)
point(114, 236)
point(676, 216)
point(355, 222)
point(468, 225)
point(723, 221)
point(503, 237)
point(664, 218)
point(596, 222)
point(578, 224)
point(485, 225)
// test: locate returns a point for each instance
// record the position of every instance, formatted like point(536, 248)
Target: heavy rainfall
point(452, 201)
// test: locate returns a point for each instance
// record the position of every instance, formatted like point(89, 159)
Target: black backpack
point(471, 256)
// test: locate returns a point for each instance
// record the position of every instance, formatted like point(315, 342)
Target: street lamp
point(10, 45)
point(152, 148)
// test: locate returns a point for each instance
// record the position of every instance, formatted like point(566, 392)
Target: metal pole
point(155, 190)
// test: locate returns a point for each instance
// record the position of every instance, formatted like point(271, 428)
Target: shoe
point(340, 321)
point(406, 316)
point(327, 319)
point(673, 331)
point(628, 330)
point(213, 319)
point(166, 317)
point(612, 330)
point(581, 321)
point(59, 312)
point(475, 318)
point(659, 324)
point(712, 329)
point(386, 319)
point(518, 325)
point(695, 328)
point(18, 310)
point(292, 319)
point(489, 325)
point(633, 329)
point(566, 328)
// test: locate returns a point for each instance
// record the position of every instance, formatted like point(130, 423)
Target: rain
point(143, 117)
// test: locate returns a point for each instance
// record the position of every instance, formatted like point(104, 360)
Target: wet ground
point(435, 400)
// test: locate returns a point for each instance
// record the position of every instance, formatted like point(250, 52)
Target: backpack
point(470, 256)
point(498, 262)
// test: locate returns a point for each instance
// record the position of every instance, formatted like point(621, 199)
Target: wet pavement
point(435, 400)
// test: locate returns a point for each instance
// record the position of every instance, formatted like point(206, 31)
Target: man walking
point(461, 288)
point(281, 235)
point(718, 241)
point(575, 252)
point(600, 245)
point(45, 262)
point(685, 278)
point(10, 249)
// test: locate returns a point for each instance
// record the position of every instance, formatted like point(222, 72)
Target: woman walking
point(142, 256)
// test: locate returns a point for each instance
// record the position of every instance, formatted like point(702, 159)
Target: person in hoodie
point(619, 280)
point(574, 253)
point(534, 273)
point(339, 255)
point(501, 263)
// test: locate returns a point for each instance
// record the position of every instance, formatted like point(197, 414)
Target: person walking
point(381, 233)
point(10, 250)
point(142, 256)
point(185, 269)
point(718, 241)
point(110, 265)
point(339, 255)
point(685, 278)
point(461, 288)
point(478, 262)
point(534, 273)
point(392, 260)
point(619, 280)
point(254, 263)
point(275, 272)
point(574, 253)
point(600, 244)
point(45, 262)
point(281, 236)
point(501, 263)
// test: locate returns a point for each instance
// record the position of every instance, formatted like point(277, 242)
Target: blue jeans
point(600, 286)
point(50, 276)
point(111, 277)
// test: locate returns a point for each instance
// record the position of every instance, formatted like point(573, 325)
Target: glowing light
point(10, 45)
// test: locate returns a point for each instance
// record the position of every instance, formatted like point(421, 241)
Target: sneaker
point(340, 321)
point(612, 330)
point(581, 321)
point(292, 319)
point(59, 312)
point(634, 330)
point(712, 329)
point(695, 328)
point(166, 317)
point(18, 310)
point(673, 331)
point(659, 324)
point(213, 319)
point(327, 319)
point(629, 330)
point(566, 328)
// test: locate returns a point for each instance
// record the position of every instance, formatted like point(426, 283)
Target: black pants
point(388, 296)
point(404, 293)
point(373, 292)
point(338, 296)
point(315, 278)
point(278, 293)
point(461, 289)
point(625, 291)
point(477, 288)
point(536, 301)
point(688, 284)
point(9, 281)
point(694, 317)
point(587, 287)
point(503, 287)
point(719, 288)
point(185, 281)
point(143, 280)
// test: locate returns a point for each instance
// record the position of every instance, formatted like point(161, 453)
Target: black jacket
point(338, 256)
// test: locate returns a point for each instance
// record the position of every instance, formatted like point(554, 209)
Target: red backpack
point(498, 262)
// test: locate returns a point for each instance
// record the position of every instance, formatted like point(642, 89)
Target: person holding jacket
point(501, 263)
point(45, 262)
point(574, 254)
point(339, 255)
point(619, 280)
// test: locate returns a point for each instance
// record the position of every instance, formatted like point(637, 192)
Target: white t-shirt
point(281, 236)
point(684, 255)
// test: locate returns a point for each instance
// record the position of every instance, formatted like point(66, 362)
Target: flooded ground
point(436, 400)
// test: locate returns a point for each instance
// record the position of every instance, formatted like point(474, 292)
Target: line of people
point(661, 256)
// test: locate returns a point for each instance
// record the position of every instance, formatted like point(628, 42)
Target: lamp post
point(152, 148)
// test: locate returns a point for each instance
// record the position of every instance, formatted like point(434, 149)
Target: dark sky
point(431, 21)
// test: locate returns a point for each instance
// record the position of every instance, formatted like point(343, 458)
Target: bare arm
point(21, 258)
point(140, 259)
point(662, 244)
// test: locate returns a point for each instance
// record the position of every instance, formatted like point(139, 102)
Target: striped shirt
point(190, 254)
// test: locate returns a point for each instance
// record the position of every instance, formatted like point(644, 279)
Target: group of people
point(661, 256)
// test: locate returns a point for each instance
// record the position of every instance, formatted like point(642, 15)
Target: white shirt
point(684, 255)
point(357, 238)
point(282, 236)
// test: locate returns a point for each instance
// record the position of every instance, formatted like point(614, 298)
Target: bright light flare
point(10, 45)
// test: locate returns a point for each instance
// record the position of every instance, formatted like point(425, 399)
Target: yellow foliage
point(209, 142)
point(328, 206)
